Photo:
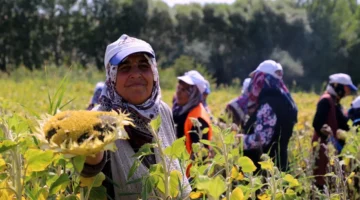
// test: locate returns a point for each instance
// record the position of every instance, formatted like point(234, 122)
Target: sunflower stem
point(162, 156)
point(16, 170)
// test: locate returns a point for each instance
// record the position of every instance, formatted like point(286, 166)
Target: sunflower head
point(83, 132)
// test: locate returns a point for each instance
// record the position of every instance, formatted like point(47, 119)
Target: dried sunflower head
point(83, 132)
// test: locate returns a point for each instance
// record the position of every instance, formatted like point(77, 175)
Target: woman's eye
point(144, 66)
point(124, 68)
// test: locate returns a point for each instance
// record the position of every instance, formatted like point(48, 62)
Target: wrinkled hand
point(326, 130)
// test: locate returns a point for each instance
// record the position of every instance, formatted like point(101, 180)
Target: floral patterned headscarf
point(111, 100)
point(259, 82)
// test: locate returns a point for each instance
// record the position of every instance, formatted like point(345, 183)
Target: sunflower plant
point(45, 162)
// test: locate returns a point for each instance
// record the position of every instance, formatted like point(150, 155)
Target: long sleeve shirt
point(264, 128)
point(321, 117)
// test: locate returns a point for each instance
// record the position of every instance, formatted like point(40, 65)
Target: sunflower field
point(39, 160)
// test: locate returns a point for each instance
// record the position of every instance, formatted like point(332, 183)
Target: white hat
point(356, 103)
point(268, 67)
point(245, 85)
point(343, 79)
point(193, 77)
point(99, 85)
point(123, 47)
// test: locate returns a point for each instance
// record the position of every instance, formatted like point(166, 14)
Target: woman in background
point(187, 105)
point(329, 120)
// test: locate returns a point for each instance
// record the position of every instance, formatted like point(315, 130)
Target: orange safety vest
point(197, 112)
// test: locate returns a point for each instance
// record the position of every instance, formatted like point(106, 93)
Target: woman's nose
point(135, 71)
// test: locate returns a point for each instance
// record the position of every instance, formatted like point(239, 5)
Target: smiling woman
point(132, 86)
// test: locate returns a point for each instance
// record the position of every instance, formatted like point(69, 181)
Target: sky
point(172, 2)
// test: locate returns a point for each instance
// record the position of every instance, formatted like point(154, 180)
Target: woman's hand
point(94, 160)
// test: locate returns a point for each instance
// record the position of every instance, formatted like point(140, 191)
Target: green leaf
point(205, 131)
point(229, 138)
point(335, 197)
point(195, 147)
point(177, 150)
point(149, 184)
point(267, 165)
point(235, 152)
point(237, 194)
point(290, 194)
point(71, 197)
point(257, 182)
point(29, 193)
point(214, 187)
point(95, 181)
point(133, 168)
point(156, 123)
point(292, 181)
point(78, 163)
point(134, 181)
point(219, 159)
point(6, 145)
point(42, 194)
point(247, 190)
point(2, 134)
point(217, 187)
point(175, 177)
point(202, 169)
point(156, 169)
point(3, 176)
point(59, 184)
point(98, 193)
point(246, 164)
point(18, 124)
point(38, 160)
point(144, 150)
point(2, 164)
point(207, 142)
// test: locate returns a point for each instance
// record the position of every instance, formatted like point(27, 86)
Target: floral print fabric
point(264, 128)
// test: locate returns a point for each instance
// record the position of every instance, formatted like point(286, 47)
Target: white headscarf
point(111, 100)
point(122, 160)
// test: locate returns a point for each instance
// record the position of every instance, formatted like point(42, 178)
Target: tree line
point(310, 38)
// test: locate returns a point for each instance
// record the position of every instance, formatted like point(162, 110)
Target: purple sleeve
point(264, 128)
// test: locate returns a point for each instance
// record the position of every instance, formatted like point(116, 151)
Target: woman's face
point(135, 79)
point(182, 93)
point(347, 90)
point(279, 73)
